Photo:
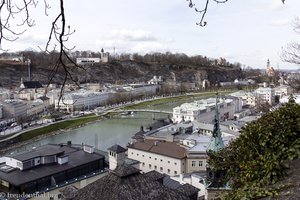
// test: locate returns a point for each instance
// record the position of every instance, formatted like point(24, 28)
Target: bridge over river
point(143, 110)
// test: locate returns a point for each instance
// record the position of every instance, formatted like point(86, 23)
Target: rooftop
point(77, 157)
point(45, 150)
point(131, 187)
point(202, 104)
point(171, 149)
point(116, 148)
point(32, 84)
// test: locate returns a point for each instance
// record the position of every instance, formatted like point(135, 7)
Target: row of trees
point(49, 58)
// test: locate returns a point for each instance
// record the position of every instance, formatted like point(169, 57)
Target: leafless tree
point(15, 18)
point(202, 11)
point(291, 53)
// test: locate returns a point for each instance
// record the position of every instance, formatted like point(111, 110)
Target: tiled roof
point(170, 149)
point(116, 148)
point(135, 187)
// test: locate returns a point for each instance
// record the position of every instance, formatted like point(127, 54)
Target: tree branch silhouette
point(203, 11)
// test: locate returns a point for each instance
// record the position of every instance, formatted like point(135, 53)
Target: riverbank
point(52, 129)
point(69, 124)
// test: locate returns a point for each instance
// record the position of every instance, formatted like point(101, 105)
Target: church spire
point(216, 142)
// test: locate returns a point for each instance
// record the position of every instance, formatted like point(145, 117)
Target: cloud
point(132, 35)
point(274, 5)
point(34, 39)
point(281, 22)
point(133, 41)
point(145, 47)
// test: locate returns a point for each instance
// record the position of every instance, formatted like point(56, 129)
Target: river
point(105, 133)
point(101, 134)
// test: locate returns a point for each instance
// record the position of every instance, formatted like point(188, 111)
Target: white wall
point(148, 161)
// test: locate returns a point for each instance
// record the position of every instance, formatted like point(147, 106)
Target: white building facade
point(265, 94)
point(204, 110)
point(283, 90)
point(161, 156)
point(81, 100)
point(14, 109)
point(247, 98)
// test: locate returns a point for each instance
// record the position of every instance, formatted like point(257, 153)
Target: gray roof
point(133, 187)
point(45, 150)
point(32, 84)
point(184, 188)
point(77, 157)
point(116, 148)
point(122, 172)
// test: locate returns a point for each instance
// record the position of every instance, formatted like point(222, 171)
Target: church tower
point(216, 141)
point(215, 177)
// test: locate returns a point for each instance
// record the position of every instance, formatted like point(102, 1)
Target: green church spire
point(216, 142)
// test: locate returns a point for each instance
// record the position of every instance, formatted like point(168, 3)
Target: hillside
point(120, 71)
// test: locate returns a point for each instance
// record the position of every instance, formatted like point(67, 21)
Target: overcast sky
point(245, 31)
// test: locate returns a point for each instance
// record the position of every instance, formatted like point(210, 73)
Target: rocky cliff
point(119, 72)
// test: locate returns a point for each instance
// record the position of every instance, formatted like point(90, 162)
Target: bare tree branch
point(291, 53)
point(203, 11)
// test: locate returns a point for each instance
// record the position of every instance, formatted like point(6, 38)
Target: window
point(155, 167)
point(150, 166)
point(161, 160)
point(143, 155)
point(149, 157)
point(175, 172)
point(169, 171)
point(131, 153)
point(137, 154)
point(193, 163)
point(200, 163)
point(143, 164)
point(155, 158)
point(168, 161)
point(175, 163)
point(161, 169)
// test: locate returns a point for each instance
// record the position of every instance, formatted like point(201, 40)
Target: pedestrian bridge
point(146, 110)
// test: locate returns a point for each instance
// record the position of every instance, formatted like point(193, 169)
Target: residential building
point(47, 167)
point(29, 90)
point(196, 155)
point(164, 157)
point(247, 98)
point(104, 58)
point(38, 106)
point(265, 94)
point(13, 108)
point(283, 90)
point(285, 99)
point(81, 100)
point(155, 80)
point(204, 110)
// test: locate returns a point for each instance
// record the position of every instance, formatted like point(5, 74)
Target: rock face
point(119, 72)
